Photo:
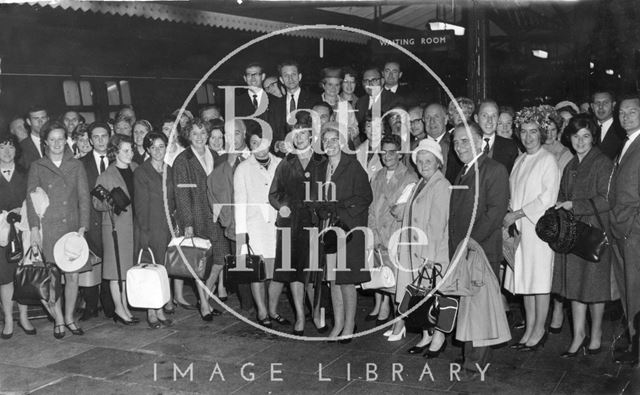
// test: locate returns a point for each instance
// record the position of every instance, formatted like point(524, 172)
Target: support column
point(477, 84)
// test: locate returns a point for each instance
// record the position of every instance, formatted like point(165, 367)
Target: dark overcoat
point(573, 277)
point(12, 194)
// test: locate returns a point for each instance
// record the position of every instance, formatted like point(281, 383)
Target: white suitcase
point(148, 284)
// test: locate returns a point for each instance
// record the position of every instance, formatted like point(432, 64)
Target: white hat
point(567, 103)
point(71, 252)
point(428, 145)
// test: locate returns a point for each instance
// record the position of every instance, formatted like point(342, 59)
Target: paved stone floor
point(228, 356)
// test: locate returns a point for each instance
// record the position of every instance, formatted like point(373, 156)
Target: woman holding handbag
point(348, 192)
point(425, 214)
point(148, 202)
point(118, 216)
point(13, 190)
point(64, 180)
point(583, 190)
point(385, 215)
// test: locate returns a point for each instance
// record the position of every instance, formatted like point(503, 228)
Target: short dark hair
point(79, 130)
point(391, 139)
point(607, 91)
point(202, 110)
point(253, 64)
point(325, 105)
point(216, 124)
point(507, 110)
point(289, 62)
point(36, 108)
point(372, 68)
point(151, 137)
point(10, 139)
point(350, 71)
point(485, 101)
point(117, 140)
point(583, 121)
point(629, 96)
point(473, 126)
point(96, 125)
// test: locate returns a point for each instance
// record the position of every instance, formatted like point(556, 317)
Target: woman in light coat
point(385, 215)
point(119, 174)
point(534, 184)
point(255, 218)
point(64, 180)
point(427, 210)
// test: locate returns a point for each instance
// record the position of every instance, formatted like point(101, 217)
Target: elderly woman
point(13, 191)
point(350, 195)
point(427, 213)
point(81, 143)
point(534, 185)
point(64, 180)
point(140, 129)
point(120, 175)
point(585, 180)
point(148, 204)
point(385, 214)
point(287, 195)
point(255, 221)
point(194, 215)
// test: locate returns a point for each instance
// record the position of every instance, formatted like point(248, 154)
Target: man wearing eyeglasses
point(373, 82)
point(254, 99)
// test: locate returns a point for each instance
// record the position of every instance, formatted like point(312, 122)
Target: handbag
point(447, 307)
point(381, 275)
point(591, 242)
point(14, 251)
point(199, 257)
point(424, 316)
point(36, 281)
point(147, 283)
point(254, 272)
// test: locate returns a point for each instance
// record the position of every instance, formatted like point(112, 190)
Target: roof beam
point(392, 12)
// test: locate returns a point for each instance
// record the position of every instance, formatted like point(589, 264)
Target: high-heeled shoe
point(555, 331)
point(382, 321)
point(117, 318)
point(348, 340)
point(166, 322)
point(517, 346)
point(266, 322)
point(418, 349)
point(592, 351)
point(77, 331)
point(371, 317)
point(7, 336)
point(388, 332)
point(538, 345)
point(323, 329)
point(429, 354)
point(26, 331)
point(185, 306)
point(298, 333)
point(582, 347)
point(154, 324)
point(398, 336)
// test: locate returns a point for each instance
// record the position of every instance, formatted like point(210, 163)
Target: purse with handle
point(253, 272)
point(591, 242)
point(381, 275)
point(36, 279)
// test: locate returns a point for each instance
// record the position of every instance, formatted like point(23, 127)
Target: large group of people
point(422, 177)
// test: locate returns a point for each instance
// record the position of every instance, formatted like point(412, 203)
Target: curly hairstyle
point(543, 115)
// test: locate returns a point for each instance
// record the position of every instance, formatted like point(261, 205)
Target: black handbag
point(199, 259)
point(254, 272)
point(38, 281)
point(14, 250)
point(447, 312)
point(426, 315)
point(591, 242)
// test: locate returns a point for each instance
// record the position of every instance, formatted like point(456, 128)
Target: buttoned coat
point(150, 213)
point(290, 186)
point(534, 184)
point(253, 213)
point(12, 194)
point(492, 206)
point(624, 199)
point(427, 210)
point(69, 202)
point(353, 195)
point(573, 277)
point(124, 225)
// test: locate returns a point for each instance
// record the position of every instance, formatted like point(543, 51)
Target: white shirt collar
point(630, 141)
point(604, 127)
point(470, 164)
point(36, 142)
point(492, 140)
point(393, 89)
point(259, 92)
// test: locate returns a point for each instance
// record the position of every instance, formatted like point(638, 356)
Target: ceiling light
point(438, 25)
point(538, 53)
point(591, 65)
point(609, 71)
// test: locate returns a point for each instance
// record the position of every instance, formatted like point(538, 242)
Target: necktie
point(487, 148)
point(103, 164)
point(255, 101)
point(292, 104)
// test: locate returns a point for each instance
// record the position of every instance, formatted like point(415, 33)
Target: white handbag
point(147, 284)
point(381, 275)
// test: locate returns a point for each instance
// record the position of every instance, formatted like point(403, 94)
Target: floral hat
point(543, 115)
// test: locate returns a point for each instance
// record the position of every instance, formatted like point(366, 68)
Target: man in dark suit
point(295, 98)
point(624, 199)
point(95, 162)
point(376, 96)
point(492, 205)
point(392, 74)
point(498, 148)
point(252, 100)
point(612, 135)
point(31, 146)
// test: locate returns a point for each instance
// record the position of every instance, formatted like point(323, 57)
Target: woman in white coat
point(255, 218)
point(534, 184)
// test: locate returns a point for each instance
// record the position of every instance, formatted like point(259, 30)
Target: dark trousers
point(476, 355)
